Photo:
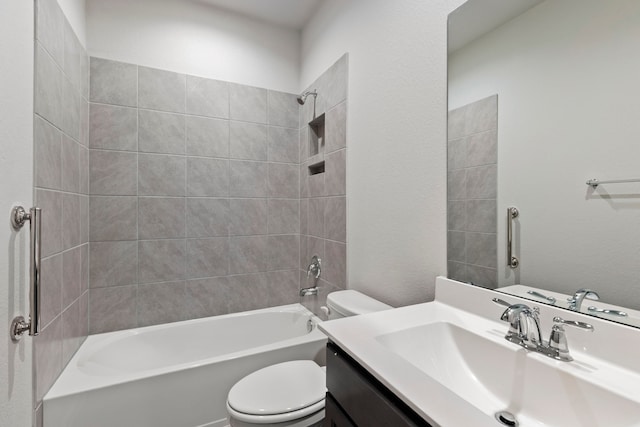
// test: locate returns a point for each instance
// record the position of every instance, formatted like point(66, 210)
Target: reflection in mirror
point(539, 103)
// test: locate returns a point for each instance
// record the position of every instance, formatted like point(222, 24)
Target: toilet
point(291, 394)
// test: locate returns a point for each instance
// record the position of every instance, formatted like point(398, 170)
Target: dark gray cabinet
point(356, 399)
point(334, 416)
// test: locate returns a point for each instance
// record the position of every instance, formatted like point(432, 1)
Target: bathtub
point(177, 374)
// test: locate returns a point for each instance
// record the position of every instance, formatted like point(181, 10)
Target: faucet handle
point(500, 302)
point(558, 338)
point(619, 313)
point(559, 322)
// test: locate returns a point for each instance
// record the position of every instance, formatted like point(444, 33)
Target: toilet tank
point(352, 303)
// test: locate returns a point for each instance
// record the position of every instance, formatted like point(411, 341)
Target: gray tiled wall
point(472, 192)
point(61, 190)
point(195, 201)
point(323, 202)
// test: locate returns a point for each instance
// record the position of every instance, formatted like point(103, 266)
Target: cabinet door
point(367, 402)
point(334, 417)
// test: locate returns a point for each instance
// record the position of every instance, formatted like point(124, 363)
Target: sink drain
point(506, 418)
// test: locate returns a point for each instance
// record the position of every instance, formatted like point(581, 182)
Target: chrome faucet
point(575, 302)
point(524, 325)
point(524, 330)
point(315, 269)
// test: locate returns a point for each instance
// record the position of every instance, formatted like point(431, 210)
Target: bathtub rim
point(73, 381)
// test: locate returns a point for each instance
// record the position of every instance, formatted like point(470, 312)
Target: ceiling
point(292, 14)
point(477, 17)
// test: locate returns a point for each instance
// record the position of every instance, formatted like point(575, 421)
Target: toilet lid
point(352, 303)
point(281, 388)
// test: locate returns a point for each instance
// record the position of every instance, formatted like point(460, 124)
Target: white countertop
point(430, 399)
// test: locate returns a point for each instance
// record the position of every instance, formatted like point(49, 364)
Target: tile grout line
point(137, 313)
point(183, 310)
point(228, 226)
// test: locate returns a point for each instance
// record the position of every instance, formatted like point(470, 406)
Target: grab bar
point(18, 217)
point(595, 182)
point(512, 261)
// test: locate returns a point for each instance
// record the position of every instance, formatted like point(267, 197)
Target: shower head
point(302, 98)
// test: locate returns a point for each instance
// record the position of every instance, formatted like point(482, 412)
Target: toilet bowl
point(291, 394)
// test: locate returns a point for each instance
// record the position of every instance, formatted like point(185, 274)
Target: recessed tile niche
point(316, 168)
point(316, 136)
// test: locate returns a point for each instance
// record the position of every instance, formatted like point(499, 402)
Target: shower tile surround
point(197, 207)
point(472, 193)
point(323, 199)
point(61, 190)
point(195, 199)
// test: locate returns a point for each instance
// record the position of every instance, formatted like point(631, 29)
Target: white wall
point(193, 38)
point(396, 165)
point(75, 11)
point(566, 75)
point(16, 185)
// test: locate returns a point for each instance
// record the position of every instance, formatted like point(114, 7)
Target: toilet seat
point(279, 418)
point(279, 393)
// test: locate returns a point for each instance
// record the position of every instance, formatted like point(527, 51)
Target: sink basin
point(494, 375)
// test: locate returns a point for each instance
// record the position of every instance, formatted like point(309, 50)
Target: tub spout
point(305, 292)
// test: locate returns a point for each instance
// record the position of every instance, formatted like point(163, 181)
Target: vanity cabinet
point(334, 416)
point(356, 399)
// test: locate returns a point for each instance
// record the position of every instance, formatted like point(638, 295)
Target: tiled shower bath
point(61, 190)
point(167, 197)
point(195, 195)
point(472, 254)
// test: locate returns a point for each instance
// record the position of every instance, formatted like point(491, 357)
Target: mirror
point(544, 96)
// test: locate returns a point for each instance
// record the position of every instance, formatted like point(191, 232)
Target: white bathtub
point(177, 374)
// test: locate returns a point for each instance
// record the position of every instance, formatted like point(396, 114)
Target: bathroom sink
point(448, 360)
point(495, 375)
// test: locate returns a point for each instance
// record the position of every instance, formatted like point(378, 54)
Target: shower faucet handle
point(315, 267)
